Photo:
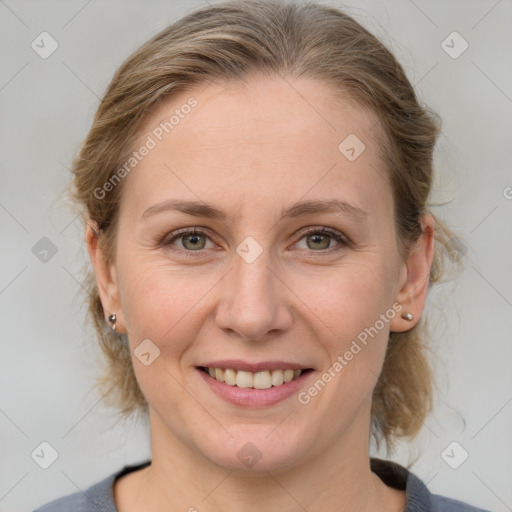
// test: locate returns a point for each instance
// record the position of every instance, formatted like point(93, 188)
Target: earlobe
point(106, 277)
point(415, 278)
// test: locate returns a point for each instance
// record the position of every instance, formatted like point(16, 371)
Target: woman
point(255, 185)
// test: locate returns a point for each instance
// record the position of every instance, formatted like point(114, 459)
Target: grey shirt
point(100, 496)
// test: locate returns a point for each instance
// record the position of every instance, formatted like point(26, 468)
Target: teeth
point(288, 375)
point(262, 380)
point(229, 377)
point(259, 380)
point(244, 379)
point(219, 375)
point(277, 378)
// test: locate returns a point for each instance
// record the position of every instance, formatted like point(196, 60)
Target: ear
point(414, 277)
point(105, 277)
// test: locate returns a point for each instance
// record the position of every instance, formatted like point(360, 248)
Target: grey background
point(48, 357)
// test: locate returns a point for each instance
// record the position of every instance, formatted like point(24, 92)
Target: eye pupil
point(193, 239)
point(322, 239)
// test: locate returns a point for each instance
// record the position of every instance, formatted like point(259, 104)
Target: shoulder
point(419, 498)
point(443, 504)
point(97, 497)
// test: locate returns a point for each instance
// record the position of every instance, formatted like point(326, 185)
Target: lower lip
point(250, 397)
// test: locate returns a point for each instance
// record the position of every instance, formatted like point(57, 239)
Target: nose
point(253, 301)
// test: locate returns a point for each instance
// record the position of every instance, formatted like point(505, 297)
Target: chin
point(256, 449)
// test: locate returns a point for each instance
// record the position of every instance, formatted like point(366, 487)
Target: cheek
point(347, 298)
point(165, 304)
point(164, 307)
point(148, 296)
point(338, 305)
point(352, 311)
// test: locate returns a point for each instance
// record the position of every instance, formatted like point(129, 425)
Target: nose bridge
point(252, 302)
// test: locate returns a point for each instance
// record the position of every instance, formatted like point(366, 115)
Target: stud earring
point(407, 316)
point(112, 321)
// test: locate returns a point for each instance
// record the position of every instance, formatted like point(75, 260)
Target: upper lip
point(237, 364)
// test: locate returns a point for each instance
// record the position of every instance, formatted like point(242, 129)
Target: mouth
point(262, 379)
point(254, 384)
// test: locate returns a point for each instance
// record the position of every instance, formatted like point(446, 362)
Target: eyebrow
point(201, 209)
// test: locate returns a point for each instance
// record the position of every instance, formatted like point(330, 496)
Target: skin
point(254, 149)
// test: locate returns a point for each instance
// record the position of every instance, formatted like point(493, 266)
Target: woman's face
point(294, 265)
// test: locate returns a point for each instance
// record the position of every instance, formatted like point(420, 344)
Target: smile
point(257, 380)
point(254, 384)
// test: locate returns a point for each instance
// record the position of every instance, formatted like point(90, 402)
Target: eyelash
point(168, 240)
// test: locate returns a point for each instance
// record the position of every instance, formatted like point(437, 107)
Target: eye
point(192, 240)
point(321, 239)
point(196, 240)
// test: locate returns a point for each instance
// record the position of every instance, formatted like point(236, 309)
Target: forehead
point(239, 142)
point(274, 105)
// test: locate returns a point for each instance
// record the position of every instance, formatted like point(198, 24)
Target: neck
point(337, 479)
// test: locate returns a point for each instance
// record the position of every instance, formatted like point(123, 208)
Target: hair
point(230, 41)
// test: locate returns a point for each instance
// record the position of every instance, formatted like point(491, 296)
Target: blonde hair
point(230, 40)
